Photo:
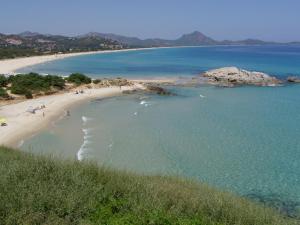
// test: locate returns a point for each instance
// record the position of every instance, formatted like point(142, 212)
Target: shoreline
point(9, 66)
point(22, 124)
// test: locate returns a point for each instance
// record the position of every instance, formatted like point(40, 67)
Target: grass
point(45, 190)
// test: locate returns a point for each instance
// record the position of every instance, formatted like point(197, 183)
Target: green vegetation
point(15, 52)
point(27, 84)
point(45, 190)
point(79, 78)
point(3, 93)
point(3, 81)
point(96, 81)
point(13, 46)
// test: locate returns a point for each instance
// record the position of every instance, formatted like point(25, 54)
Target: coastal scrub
point(46, 190)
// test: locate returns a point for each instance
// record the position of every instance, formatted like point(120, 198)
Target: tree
point(3, 81)
point(79, 78)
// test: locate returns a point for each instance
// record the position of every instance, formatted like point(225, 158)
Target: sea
point(245, 140)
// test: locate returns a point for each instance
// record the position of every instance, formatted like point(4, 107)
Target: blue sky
point(277, 20)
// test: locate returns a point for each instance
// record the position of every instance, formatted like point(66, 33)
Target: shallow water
point(243, 139)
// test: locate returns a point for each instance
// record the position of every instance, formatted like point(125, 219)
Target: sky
point(272, 20)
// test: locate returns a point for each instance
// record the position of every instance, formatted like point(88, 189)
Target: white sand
point(9, 66)
point(23, 124)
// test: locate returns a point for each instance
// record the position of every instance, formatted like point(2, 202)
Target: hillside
point(31, 43)
point(46, 190)
point(195, 38)
point(28, 44)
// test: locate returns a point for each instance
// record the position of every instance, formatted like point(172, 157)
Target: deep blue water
point(275, 60)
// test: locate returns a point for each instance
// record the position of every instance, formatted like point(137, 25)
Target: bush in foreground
point(43, 190)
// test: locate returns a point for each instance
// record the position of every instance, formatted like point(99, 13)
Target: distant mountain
point(195, 38)
point(32, 43)
point(28, 34)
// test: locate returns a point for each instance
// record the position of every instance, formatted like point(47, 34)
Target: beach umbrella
point(2, 120)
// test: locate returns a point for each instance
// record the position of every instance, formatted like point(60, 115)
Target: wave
point(85, 119)
point(87, 131)
point(82, 152)
point(145, 103)
point(20, 143)
point(202, 96)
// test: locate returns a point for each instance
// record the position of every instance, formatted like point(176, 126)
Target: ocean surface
point(177, 62)
point(245, 139)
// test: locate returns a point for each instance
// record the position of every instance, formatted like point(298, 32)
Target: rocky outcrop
point(293, 79)
point(231, 76)
point(158, 90)
point(112, 82)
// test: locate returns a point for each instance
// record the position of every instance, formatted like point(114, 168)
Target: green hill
point(45, 190)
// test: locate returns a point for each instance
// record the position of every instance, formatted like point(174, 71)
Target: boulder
point(293, 79)
point(158, 90)
point(231, 76)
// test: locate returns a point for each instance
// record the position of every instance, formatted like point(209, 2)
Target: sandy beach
point(9, 66)
point(23, 124)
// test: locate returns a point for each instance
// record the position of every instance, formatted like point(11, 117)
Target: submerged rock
point(231, 76)
point(293, 79)
point(158, 90)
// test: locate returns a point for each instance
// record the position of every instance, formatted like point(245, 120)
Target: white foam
point(85, 119)
point(202, 96)
point(20, 143)
point(145, 103)
point(87, 131)
point(135, 113)
point(82, 152)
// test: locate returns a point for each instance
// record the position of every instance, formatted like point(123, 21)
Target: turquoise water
point(276, 60)
point(243, 139)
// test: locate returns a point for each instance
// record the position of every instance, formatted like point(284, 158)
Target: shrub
point(3, 93)
point(55, 81)
point(32, 81)
point(22, 84)
point(28, 94)
point(79, 78)
point(96, 81)
point(3, 81)
point(46, 190)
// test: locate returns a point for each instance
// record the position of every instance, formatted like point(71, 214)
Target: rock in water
point(293, 79)
point(158, 90)
point(230, 76)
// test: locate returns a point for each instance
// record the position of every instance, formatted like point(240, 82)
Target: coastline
point(23, 124)
point(9, 66)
